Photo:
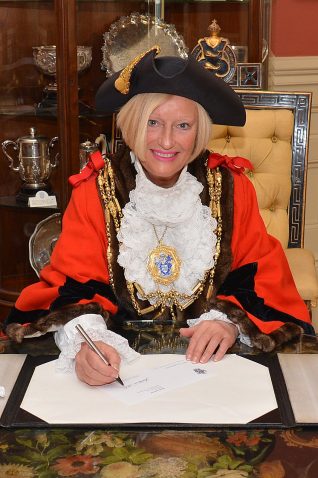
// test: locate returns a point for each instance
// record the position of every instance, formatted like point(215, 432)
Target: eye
point(184, 125)
point(152, 122)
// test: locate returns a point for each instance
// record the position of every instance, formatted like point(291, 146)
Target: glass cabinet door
point(25, 26)
point(26, 130)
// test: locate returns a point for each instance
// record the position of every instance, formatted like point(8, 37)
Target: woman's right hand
point(92, 370)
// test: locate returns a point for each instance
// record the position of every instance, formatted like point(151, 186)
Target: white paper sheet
point(10, 366)
point(143, 384)
point(237, 391)
point(301, 377)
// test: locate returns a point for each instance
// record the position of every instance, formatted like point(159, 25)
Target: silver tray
point(43, 240)
point(131, 35)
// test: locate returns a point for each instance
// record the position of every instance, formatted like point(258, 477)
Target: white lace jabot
point(178, 215)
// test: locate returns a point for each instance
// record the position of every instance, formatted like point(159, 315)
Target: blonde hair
point(133, 117)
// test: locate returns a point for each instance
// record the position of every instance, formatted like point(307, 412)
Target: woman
point(164, 231)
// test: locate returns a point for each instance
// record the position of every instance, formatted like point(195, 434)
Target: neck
point(162, 182)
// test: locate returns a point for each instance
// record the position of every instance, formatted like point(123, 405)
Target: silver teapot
point(88, 147)
point(34, 160)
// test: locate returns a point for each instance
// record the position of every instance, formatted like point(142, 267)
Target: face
point(170, 138)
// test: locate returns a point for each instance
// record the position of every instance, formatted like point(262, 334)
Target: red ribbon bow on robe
point(95, 163)
point(235, 163)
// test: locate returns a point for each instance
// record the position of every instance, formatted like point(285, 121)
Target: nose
point(166, 137)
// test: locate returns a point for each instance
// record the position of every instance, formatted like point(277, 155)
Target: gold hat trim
point(122, 83)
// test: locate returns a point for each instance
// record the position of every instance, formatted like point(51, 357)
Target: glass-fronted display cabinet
point(53, 56)
point(24, 25)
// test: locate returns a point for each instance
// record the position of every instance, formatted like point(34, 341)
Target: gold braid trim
point(214, 178)
point(112, 210)
point(172, 298)
point(122, 83)
point(165, 299)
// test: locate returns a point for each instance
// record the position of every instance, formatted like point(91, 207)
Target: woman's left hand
point(209, 337)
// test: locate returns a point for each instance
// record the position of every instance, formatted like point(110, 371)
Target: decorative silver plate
point(43, 240)
point(131, 35)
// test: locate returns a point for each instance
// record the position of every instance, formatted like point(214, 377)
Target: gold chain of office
point(162, 299)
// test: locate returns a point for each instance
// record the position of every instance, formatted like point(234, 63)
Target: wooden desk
point(102, 453)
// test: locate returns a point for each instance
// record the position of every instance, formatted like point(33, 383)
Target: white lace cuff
point(217, 315)
point(69, 340)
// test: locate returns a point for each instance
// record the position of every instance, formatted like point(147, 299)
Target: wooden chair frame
point(300, 104)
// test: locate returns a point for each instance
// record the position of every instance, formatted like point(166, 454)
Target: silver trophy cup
point(35, 162)
point(45, 59)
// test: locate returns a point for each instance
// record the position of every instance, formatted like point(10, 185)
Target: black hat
point(175, 76)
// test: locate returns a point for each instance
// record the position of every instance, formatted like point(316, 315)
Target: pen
point(94, 347)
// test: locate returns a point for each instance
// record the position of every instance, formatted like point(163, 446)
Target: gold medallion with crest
point(164, 264)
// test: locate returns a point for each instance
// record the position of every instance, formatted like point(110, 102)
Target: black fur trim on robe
point(52, 319)
point(62, 310)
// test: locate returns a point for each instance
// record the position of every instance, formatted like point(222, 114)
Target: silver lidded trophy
point(34, 162)
point(87, 148)
point(45, 59)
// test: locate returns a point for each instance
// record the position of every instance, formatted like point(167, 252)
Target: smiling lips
point(163, 155)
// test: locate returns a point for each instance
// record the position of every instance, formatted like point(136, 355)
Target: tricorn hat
point(173, 75)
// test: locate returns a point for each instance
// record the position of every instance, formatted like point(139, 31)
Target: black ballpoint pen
point(94, 347)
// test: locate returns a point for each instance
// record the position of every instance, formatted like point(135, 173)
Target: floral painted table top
point(49, 453)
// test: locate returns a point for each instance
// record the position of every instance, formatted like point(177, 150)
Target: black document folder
point(14, 416)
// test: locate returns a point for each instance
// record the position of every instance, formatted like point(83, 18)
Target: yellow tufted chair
point(275, 140)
